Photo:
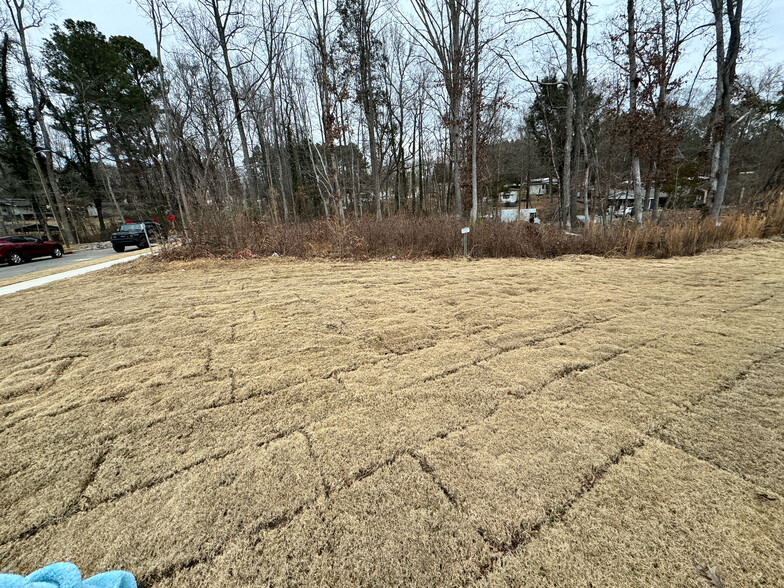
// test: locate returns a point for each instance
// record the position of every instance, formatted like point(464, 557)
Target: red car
point(14, 250)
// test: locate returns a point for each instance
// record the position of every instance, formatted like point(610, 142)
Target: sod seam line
point(71, 510)
point(740, 308)
point(524, 536)
point(651, 434)
point(504, 349)
point(357, 477)
point(658, 436)
point(337, 373)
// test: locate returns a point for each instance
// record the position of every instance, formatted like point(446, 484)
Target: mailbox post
point(465, 231)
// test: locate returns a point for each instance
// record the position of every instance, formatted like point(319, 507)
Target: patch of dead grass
point(395, 528)
point(424, 423)
point(659, 518)
point(741, 429)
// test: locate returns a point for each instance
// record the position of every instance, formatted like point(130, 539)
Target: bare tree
point(319, 16)
point(395, 100)
point(581, 92)
point(26, 15)
point(444, 32)
point(224, 22)
point(277, 17)
point(726, 61)
point(475, 117)
point(360, 40)
point(560, 28)
point(673, 36)
point(633, 83)
point(153, 10)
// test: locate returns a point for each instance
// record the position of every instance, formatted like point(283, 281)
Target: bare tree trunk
point(566, 180)
point(586, 187)
point(661, 105)
point(278, 154)
point(581, 83)
point(265, 149)
point(457, 156)
point(152, 7)
point(220, 28)
point(363, 35)
point(633, 82)
point(16, 8)
point(319, 20)
point(374, 163)
point(656, 197)
point(725, 82)
point(46, 192)
point(456, 49)
point(421, 163)
point(474, 121)
point(108, 183)
point(445, 32)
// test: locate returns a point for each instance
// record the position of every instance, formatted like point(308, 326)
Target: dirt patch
point(395, 423)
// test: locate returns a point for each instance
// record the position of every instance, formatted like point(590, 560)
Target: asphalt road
point(46, 263)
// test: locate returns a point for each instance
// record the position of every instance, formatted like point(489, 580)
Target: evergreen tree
point(15, 147)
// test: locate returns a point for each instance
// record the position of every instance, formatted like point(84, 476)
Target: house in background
point(620, 199)
point(16, 209)
point(542, 186)
point(526, 215)
point(18, 216)
point(537, 187)
point(509, 195)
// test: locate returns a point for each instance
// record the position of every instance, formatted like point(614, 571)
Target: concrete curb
point(34, 283)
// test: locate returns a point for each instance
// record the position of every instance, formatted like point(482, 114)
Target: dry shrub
point(407, 236)
point(774, 219)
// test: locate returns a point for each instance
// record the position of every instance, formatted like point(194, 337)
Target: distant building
point(541, 186)
point(623, 198)
point(526, 215)
point(16, 209)
point(509, 195)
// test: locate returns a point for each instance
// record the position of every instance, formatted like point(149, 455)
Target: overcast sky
point(113, 17)
point(123, 17)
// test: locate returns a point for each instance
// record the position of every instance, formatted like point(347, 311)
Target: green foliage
point(546, 119)
point(15, 153)
point(362, 60)
point(107, 87)
point(778, 105)
point(363, 57)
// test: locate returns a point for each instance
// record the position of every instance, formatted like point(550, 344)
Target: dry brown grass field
point(570, 422)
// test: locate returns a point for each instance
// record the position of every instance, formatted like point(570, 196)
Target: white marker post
point(147, 236)
point(465, 231)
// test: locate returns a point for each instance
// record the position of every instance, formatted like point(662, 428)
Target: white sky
point(113, 17)
point(123, 17)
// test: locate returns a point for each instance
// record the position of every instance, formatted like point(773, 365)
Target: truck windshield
point(131, 227)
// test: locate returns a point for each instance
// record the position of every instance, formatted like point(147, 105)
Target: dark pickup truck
point(133, 235)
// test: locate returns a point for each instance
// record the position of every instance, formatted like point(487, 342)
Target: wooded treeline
point(296, 109)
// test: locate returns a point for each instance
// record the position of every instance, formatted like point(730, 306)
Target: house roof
point(14, 202)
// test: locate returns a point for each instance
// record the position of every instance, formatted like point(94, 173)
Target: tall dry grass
point(405, 236)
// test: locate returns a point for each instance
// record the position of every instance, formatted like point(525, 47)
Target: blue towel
point(67, 575)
